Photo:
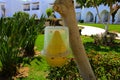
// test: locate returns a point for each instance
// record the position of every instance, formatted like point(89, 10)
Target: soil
point(22, 72)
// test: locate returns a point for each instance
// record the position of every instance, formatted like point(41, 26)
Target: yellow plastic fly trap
point(56, 45)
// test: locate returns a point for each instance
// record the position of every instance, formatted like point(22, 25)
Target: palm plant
point(32, 29)
point(11, 41)
point(17, 32)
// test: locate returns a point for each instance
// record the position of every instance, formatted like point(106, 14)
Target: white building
point(33, 7)
point(9, 7)
point(38, 7)
point(90, 14)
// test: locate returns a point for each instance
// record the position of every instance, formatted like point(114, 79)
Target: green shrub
point(67, 72)
point(81, 21)
point(103, 39)
point(10, 43)
point(16, 34)
point(105, 67)
point(32, 28)
point(49, 12)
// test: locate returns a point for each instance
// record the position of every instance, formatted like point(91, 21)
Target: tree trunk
point(114, 11)
point(95, 5)
point(98, 14)
point(66, 9)
point(107, 26)
point(113, 15)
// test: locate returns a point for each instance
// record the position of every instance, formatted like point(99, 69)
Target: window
point(3, 10)
point(35, 6)
point(26, 7)
point(3, 7)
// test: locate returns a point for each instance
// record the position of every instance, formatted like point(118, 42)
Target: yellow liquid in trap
point(56, 52)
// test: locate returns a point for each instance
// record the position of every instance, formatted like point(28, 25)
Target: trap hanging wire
point(56, 45)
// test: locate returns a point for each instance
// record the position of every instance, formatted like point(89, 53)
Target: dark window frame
point(26, 9)
point(35, 6)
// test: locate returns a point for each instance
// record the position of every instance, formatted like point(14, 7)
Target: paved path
point(118, 36)
point(90, 30)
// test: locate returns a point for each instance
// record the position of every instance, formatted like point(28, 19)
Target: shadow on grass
point(91, 46)
point(28, 60)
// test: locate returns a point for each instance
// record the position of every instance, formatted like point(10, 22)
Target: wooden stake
point(67, 11)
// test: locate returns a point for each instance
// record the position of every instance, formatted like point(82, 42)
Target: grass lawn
point(112, 27)
point(38, 69)
point(40, 42)
point(88, 44)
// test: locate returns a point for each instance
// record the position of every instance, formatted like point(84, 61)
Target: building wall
point(13, 6)
point(90, 14)
point(117, 17)
point(43, 5)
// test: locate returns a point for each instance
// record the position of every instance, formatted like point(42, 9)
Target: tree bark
point(95, 5)
point(66, 9)
point(114, 11)
point(108, 23)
